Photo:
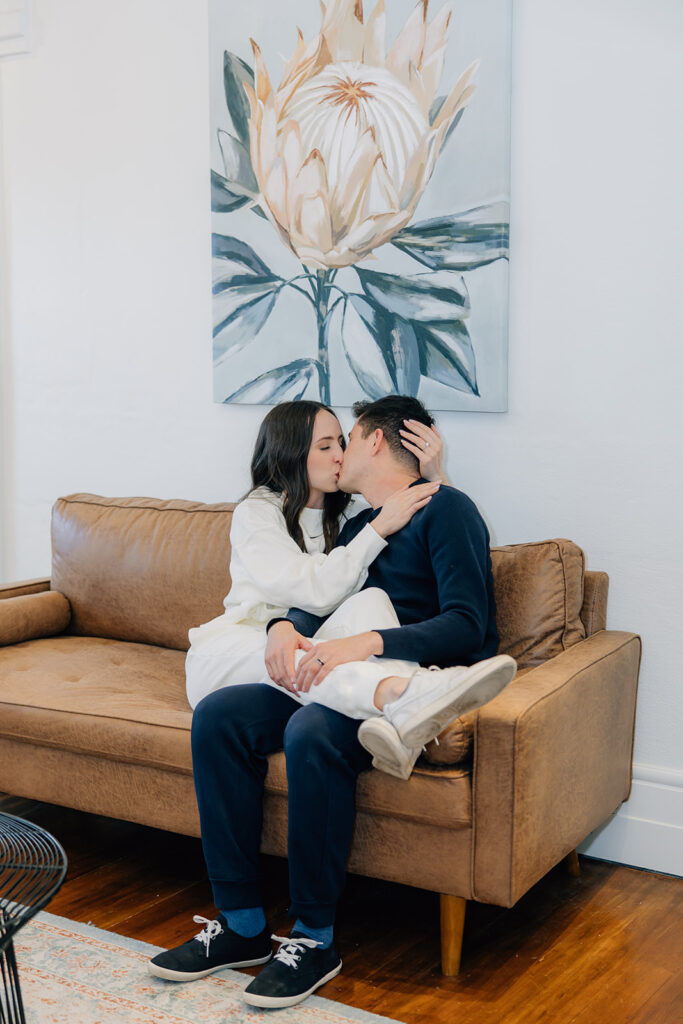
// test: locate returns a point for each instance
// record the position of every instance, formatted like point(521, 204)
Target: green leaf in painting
point(234, 250)
point(381, 349)
point(419, 297)
point(447, 355)
point(459, 241)
point(223, 199)
point(235, 74)
point(237, 165)
point(241, 306)
point(283, 384)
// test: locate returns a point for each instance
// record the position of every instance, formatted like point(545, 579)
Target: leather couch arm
point(23, 588)
point(552, 761)
point(32, 616)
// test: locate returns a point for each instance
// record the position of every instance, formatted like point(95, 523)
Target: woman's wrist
point(379, 527)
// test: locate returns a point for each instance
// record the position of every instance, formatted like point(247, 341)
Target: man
point(437, 573)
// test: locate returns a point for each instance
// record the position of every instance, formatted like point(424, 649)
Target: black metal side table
point(32, 869)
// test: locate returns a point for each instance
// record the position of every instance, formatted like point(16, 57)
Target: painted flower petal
point(409, 44)
point(350, 194)
point(459, 95)
point(275, 191)
point(370, 233)
point(291, 149)
point(375, 34)
point(311, 223)
point(263, 87)
point(379, 195)
point(343, 29)
point(316, 57)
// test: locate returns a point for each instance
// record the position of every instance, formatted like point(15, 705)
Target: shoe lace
point(210, 931)
point(290, 949)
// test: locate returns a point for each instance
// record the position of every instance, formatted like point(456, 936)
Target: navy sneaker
point(297, 969)
point(214, 948)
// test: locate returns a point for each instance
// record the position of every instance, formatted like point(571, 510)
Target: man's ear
point(377, 439)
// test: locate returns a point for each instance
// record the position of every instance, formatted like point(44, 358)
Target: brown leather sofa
point(93, 713)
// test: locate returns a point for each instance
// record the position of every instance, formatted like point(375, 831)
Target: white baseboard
point(646, 831)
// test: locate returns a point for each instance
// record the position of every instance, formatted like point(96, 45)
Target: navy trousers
point(233, 731)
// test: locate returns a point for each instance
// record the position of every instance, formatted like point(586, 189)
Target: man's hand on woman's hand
point(283, 641)
point(400, 508)
point(425, 443)
point(328, 654)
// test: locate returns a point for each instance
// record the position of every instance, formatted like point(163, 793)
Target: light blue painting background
point(473, 169)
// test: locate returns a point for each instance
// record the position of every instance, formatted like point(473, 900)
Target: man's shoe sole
point(486, 681)
point(255, 999)
point(169, 975)
point(388, 753)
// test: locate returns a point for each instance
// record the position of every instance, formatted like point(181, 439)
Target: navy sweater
point(437, 572)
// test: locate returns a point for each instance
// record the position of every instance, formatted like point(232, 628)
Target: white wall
point(105, 341)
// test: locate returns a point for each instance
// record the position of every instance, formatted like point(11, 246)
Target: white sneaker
point(432, 699)
point(388, 753)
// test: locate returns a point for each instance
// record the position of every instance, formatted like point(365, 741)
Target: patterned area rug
point(76, 974)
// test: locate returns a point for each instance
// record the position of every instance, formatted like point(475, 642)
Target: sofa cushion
point(539, 594)
point(32, 615)
point(140, 569)
point(126, 702)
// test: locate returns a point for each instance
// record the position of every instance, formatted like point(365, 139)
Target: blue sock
point(321, 935)
point(246, 923)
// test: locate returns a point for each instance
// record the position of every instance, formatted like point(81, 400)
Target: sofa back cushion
point(140, 569)
point(539, 596)
point(147, 571)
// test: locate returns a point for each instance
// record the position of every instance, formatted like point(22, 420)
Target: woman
point(283, 535)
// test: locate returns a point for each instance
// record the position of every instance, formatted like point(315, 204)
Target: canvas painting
point(360, 201)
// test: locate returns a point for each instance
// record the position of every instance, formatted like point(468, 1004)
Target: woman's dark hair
point(279, 463)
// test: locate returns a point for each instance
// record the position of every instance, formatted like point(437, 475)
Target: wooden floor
point(603, 948)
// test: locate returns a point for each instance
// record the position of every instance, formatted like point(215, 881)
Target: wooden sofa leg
point(452, 925)
point(571, 863)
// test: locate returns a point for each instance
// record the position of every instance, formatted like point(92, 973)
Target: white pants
point(236, 656)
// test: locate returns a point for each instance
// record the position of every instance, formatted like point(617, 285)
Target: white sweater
point(270, 573)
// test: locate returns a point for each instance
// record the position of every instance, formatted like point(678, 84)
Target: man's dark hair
point(387, 414)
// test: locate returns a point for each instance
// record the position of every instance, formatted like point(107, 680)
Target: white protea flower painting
point(329, 274)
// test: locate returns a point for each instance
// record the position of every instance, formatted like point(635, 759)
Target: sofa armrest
point(552, 760)
point(25, 587)
point(31, 616)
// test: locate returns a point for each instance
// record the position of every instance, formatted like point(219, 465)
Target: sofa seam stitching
point(148, 508)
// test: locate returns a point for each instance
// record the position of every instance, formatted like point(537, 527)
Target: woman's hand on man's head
point(426, 445)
